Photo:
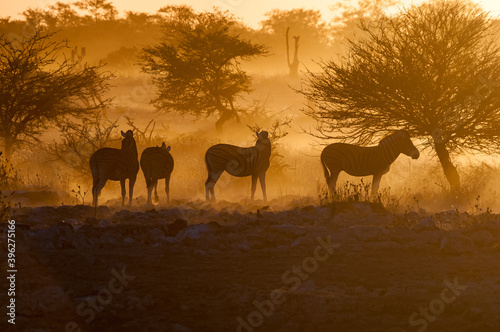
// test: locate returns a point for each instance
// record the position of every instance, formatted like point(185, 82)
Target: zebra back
point(116, 164)
point(239, 161)
point(156, 162)
point(363, 161)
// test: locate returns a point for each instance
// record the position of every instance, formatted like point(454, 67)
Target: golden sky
point(251, 11)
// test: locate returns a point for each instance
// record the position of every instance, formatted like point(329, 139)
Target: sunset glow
point(250, 166)
point(252, 12)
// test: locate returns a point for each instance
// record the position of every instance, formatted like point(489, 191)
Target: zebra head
point(165, 147)
point(263, 141)
point(406, 145)
point(128, 139)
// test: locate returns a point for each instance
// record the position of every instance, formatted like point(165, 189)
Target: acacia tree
point(41, 86)
point(80, 138)
point(431, 70)
point(345, 24)
point(196, 67)
point(98, 9)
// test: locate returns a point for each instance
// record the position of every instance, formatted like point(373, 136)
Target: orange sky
point(252, 11)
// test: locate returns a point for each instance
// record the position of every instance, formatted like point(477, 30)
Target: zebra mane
point(394, 135)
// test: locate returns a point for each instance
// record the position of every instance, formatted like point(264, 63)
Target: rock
point(309, 209)
point(89, 231)
point(307, 286)
point(180, 328)
point(482, 238)
point(402, 234)
point(456, 243)
point(128, 240)
point(175, 227)
point(57, 236)
point(288, 230)
point(104, 223)
point(494, 227)
point(432, 237)
point(46, 300)
point(474, 314)
point(122, 216)
point(297, 241)
point(368, 233)
point(426, 224)
point(194, 232)
point(110, 237)
point(80, 241)
point(155, 235)
point(290, 327)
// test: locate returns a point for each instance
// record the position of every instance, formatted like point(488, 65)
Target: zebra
point(239, 162)
point(116, 165)
point(157, 163)
point(362, 161)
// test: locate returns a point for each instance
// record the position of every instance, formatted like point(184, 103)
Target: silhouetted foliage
point(346, 24)
point(98, 9)
point(432, 69)
point(79, 138)
point(196, 67)
point(41, 86)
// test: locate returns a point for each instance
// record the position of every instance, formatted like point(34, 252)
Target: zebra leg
point(157, 198)
point(96, 189)
point(122, 186)
point(167, 187)
point(254, 186)
point(210, 184)
point(332, 183)
point(131, 183)
point(149, 186)
point(375, 184)
point(262, 180)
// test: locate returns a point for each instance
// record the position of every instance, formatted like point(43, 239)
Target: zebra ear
point(123, 134)
point(168, 148)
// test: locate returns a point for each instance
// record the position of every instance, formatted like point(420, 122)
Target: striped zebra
point(239, 162)
point(157, 163)
point(362, 161)
point(116, 165)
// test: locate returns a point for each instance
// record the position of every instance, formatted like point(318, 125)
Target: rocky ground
point(241, 267)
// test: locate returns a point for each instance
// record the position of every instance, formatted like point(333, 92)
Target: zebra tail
point(149, 173)
point(325, 170)
point(208, 168)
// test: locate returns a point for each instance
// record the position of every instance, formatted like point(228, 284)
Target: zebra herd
point(157, 163)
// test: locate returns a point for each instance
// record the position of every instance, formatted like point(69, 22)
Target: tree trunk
point(450, 171)
point(294, 65)
point(225, 115)
point(7, 153)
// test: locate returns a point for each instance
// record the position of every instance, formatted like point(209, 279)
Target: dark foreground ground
point(193, 267)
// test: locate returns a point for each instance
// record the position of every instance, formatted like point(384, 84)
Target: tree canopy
point(432, 70)
point(196, 68)
point(40, 85)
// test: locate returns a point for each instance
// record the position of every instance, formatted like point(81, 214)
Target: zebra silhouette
point(239, 162)
point(362, 161)
point(157, 163)
point(116, 165)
